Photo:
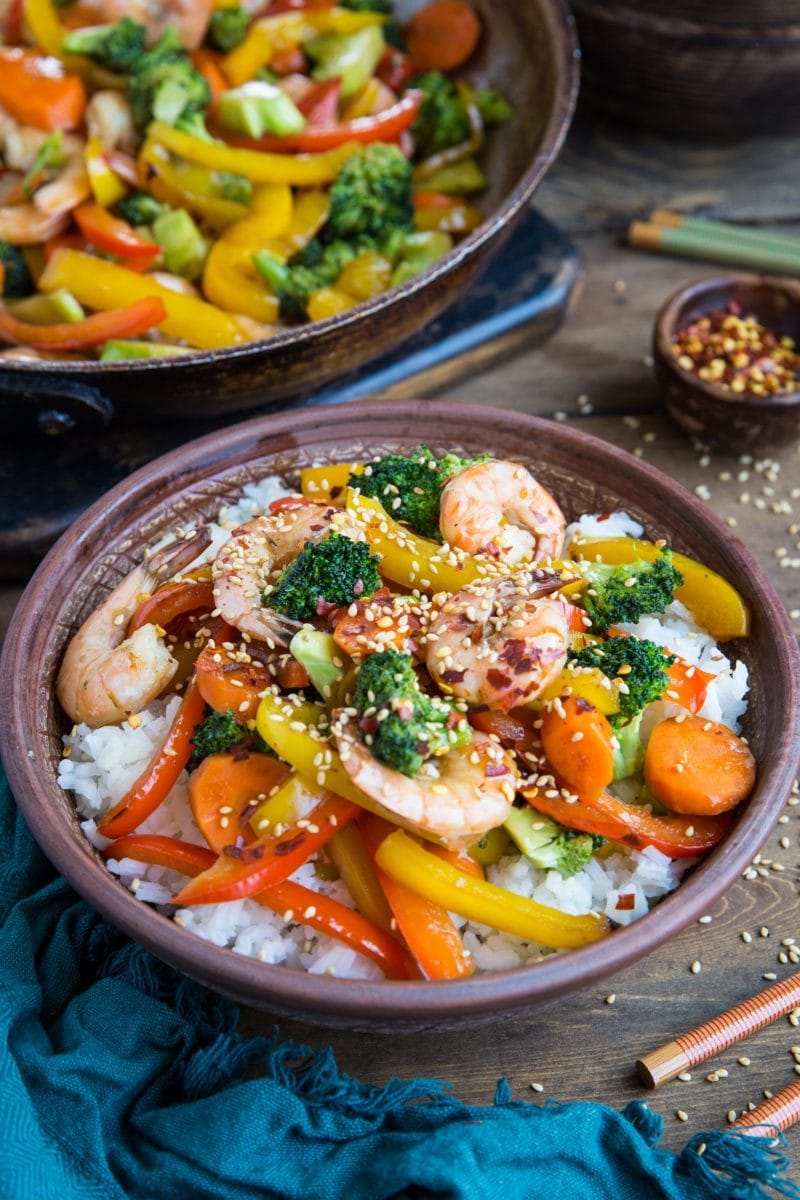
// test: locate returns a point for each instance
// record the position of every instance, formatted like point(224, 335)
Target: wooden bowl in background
point(586, 475)
point(695, 70)
point(732, 421)
point(530, 51)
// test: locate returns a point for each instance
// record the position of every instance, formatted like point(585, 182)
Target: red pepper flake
point(287, 847)
point(494, 769)
point(453, 676)
point(738, 353)
point(625, 902)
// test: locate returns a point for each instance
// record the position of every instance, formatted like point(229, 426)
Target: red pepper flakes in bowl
point(737, 353)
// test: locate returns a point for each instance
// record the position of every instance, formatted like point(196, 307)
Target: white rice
point(101, 764)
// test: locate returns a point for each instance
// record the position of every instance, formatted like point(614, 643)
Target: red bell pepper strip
point(283, 6)
point(35, 90)
point(427, 927)
point(395, 69)
point(678, 837)
point(173, 601)
point(317, 911)
point(159, 777)
point(320, 105)
point(13, 29)
point(89, 331)
point(110, 233)
point(238, 873)
point(384, 126)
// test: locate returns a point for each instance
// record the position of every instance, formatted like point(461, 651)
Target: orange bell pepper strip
point(110, 233)
point(36, 90)
point(313, 909)
point(634, 827)
point(173, 601)
point(89, 331)
point(239, 873)
point(384, 126)
point(159, 777)
point(427, 927)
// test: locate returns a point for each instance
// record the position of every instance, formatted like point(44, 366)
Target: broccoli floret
point(217, 733)
point(335, 571)
point(115, 46)
point(317, 265)
point(163, 84)
point(442, 120)
point(17, 279)
point(548, 845)
point(493, 106)
point(416, 481)
point(611, 599)
point(371, 196)
point(228, 28)
point(401, 724)
point(378, 6)
point(645, 681)
point(140, 208)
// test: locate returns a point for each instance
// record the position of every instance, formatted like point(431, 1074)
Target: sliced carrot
point(320, 912)
point(379, 620)
point(225, 790)
point(230, 686)
point(159, 777)
point(443, 35)
point(290, 674)
point(698, 767)
point(428, 928)
point(577, 740)
point(242, 872)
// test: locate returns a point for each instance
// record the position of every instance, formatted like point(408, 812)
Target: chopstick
point(780, 1111)
point(694, 1047)
point(716, 241)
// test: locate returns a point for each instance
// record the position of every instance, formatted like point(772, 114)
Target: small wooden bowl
point(731, 421)
point(586, 475)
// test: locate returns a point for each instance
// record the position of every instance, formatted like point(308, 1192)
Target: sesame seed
point(743, 1061)
point(704, 920)
point(611, 999)
point(685, 1077)
point(696, 967)
point(681, 1115)
point(731, 1116)
point(537, 1087)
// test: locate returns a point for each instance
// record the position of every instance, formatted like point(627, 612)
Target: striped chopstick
point(715, 241)
point(779, 1112)
point(694, 1047)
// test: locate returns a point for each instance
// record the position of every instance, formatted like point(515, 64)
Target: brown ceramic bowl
point(530, 51)
point(711, 413)
point(586, 475)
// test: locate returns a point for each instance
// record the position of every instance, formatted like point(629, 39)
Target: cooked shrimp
point(499, 642)
point(247, 563)
point(25, 225)
point(498, 508)
point(456, 798)
point(108, 118)
point(70, 186)
point(104, 675)
point(189, 18)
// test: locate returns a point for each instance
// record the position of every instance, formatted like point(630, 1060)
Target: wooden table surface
point(596, 372)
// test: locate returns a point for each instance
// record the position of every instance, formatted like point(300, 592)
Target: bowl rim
point(666, 323)
point(565, 94)
point(368, 1002)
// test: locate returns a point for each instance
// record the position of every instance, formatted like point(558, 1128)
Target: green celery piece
point(183, 246)
point(49, 309)
point(456, 178)
point(256, 108)
point(322, 658)
point(629, 755)
point(352, 58)
point(418, 251)
point(119, 350)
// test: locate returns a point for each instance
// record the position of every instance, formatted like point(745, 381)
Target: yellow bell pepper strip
point(283, 805)
point(107, 187)
point(42, 20)
point(269, 860)
point(105, 285)
point(355, 867)
point(365, 276)
point(328, 302)
point(326, 483)
point(589, 684)
point(409, 559)
point(427, 927)
point(270, 217)
point(231, 281)
point(299, 170)
point(713, 602)
point(187, 185)
point(282, 31)
point(408, 863)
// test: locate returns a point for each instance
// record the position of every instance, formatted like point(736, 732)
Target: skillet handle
point(54, 406)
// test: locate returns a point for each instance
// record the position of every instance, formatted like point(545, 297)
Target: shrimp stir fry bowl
point(335, 723)
point(181, 179)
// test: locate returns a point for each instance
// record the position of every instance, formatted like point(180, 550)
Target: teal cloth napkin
point(121, 1078)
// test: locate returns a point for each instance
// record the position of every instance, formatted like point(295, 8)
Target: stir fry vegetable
point(394, 680)
point(146, 142)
